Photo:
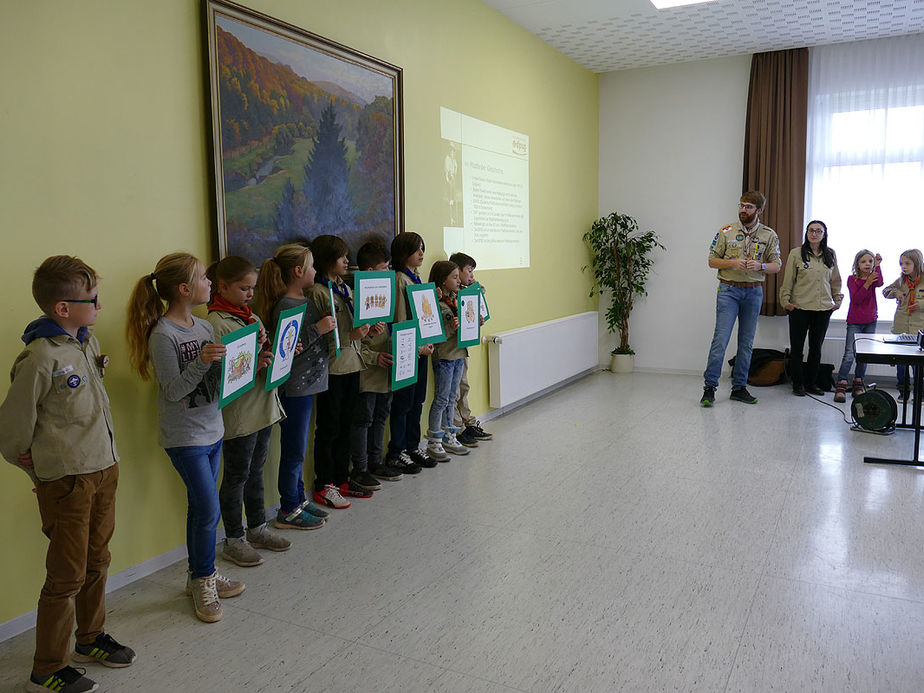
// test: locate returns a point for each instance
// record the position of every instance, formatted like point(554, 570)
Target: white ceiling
point(606, 35)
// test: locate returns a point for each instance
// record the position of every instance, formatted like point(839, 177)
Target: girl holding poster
point(334, 425)
point(448, 360)
point(407, 255)
point(248, 421)
point(281, 286)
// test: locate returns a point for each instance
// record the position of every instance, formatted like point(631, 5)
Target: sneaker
point(365, 480)
point(297, 519)
point(467, 439)
point(351, 488)
point(450, 444)
point(204, 593)
point(262, 538)
point(742, 395)
point(859, 387)
point(330, 496)
point(403, 463)
point(238, 551)
point(106, 651)
point(435, 451)
point(66, 680)
point(708, 398)
point(478, 433)
point(315, 510)
point(227, 587)
point(840, 391)
point(385, 472)
point(421, 458)
point(904, 396)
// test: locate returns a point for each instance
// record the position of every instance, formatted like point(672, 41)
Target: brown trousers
point(78, 517)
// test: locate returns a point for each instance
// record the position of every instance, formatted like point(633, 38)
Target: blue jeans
point(293, 442)
point(733, 303)
point(198, 466)
point(446, 378)
point(849, 350)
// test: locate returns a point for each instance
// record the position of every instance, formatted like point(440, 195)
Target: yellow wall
point(104, 137)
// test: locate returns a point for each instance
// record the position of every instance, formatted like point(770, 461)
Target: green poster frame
point(358, 298)
point(395, 331)
point(282, 327)
point(484, 301)
point(431, 288)
point(333, 312)
point(473, 291)
point(246, 332)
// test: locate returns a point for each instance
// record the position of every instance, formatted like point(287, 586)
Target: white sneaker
point(452, 444)
point(205, 598)
point(331, 496)
point(435, 451)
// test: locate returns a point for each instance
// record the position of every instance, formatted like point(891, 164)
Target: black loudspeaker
point(874, 410)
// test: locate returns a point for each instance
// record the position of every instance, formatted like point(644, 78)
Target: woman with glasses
point(810, 292)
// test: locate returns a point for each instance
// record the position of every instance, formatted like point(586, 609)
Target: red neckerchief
point(451, 302)
point(242, 312)
point(911, 285)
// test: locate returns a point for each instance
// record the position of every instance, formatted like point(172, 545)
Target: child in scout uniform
point(366, 448)
point(55, 425)
point(908, 289)
point(470, 428)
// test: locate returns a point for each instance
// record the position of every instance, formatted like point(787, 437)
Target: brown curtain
point(774, 150)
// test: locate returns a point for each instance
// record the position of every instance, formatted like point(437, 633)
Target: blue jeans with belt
point(741, 303)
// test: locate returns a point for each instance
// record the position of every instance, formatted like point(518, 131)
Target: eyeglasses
point(94, 300)
point(749, 208)
point(816, 232)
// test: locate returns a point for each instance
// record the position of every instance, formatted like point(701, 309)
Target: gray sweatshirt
point(187, 393)
point(309, 368)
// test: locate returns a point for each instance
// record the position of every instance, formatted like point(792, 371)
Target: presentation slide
point(486, 191)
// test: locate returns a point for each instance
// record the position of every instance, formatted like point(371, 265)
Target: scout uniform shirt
point(810, 285)
point(905, 322)
point(57, 406)
point(733, 242)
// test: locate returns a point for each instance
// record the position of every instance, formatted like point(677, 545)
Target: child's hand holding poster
point(374, 297)
point(404, 354)
point(426, 311)
point(239, 365)
point(483, 304)
point(469, 317)
point(284, 346)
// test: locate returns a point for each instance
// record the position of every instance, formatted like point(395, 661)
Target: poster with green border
point(239, 364)
point(485, 313)
point(425, 308)
point(469, 302)
point(284, 346)
point(333, 312)
point(404, 359)
point(373, 297)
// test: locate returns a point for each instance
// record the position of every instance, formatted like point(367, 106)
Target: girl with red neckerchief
point(908, 289)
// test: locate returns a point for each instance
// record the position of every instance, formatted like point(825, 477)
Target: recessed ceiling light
point(664, 4)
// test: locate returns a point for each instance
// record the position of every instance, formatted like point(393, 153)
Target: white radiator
point(530, 359)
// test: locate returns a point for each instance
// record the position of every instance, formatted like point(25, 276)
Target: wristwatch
point(763, 266)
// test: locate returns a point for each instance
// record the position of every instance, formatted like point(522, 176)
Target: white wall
point(671, 150)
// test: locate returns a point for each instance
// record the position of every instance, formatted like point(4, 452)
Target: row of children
point(862, 315)
point(56, 424)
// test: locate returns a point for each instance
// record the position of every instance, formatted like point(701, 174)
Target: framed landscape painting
point(307, 136)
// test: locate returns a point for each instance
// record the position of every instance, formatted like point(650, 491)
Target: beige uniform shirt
point(375, 378)
point(733, 242)
point(905, 322)
point(349, 360)
point(810, 285)
point(58, 408)
point(255, 409)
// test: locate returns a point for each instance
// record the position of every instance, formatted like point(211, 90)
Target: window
point(865, 156)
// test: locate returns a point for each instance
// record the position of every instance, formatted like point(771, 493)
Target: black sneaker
point(385, 472)
point(106, 651)
point(467, 439)
point(421, 458)
point(708, 397)
point(66, 680)
point(478, 433)
point(403, 463)
point(365, 480)
point(742, 395)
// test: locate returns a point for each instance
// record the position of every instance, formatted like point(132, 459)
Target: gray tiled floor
point(613, 537)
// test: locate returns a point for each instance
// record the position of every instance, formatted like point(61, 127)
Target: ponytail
point(275, 275)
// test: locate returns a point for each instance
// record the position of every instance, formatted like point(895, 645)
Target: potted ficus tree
point(621, 262)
